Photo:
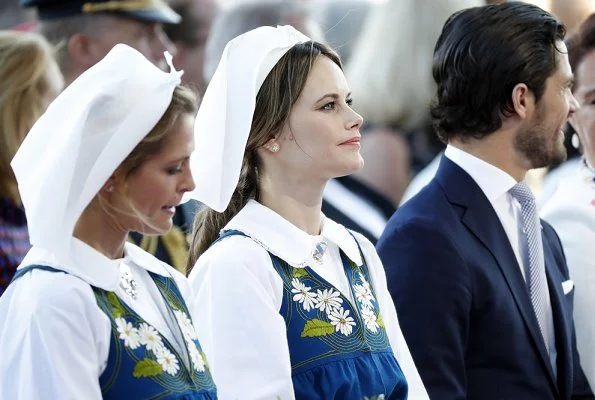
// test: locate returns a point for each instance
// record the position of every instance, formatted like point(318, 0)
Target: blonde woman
point(88, 315)
point(29, 80)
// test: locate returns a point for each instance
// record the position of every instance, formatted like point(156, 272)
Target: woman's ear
point(272, 145)
point(109, 185)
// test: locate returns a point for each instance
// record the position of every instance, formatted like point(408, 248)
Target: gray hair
point(342, 22)
point(241, 18)
point(392, 83)
point(59, 31)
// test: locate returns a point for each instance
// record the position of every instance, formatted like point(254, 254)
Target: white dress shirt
point(55, 340)
point(495, 184)
point(571, 211)
point(240, 293)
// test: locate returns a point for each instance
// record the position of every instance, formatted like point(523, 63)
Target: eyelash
point(175, 170)
point(349, 102)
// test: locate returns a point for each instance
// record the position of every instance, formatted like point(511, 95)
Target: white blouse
point(55, 340)
point(571, 211)
point(239, 295)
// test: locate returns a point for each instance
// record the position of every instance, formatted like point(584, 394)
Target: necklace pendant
point(319, 250)
point(129, 285)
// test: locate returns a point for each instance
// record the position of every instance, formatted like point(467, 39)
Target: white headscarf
point(225, 115)
point(82, 138)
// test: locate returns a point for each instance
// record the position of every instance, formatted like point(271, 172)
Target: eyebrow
point(181, 159)
point(333, 96)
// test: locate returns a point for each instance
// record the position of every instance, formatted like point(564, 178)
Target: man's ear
point(80, 51)
point(523, 101)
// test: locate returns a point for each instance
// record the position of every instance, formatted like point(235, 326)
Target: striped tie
point(536, 279)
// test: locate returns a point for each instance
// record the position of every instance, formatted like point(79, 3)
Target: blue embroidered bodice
point(338, 349)
point(142, 363)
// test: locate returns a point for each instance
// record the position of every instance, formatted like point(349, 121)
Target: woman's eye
point(329, 106)
point(175, 170)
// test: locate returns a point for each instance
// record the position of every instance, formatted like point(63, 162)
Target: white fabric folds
point(225, 115)
point(83, 137)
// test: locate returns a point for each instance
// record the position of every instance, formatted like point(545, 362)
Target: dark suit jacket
point(463, 304)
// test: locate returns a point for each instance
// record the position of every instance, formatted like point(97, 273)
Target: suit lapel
point(481, 219)
point(562, 322)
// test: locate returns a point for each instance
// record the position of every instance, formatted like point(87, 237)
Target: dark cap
point(143, 10)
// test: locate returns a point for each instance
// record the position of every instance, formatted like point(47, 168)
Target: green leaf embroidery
point(147, 367)
point(316, 327)
point(204, 358)
point(380, 321)
point(299, 272)
point(118, 309)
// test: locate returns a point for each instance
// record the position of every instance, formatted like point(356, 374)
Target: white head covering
point(83, 137)
point(225, 115)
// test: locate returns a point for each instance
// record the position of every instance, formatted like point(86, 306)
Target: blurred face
point(542, 140)
point(146, 37)
point(583, 121)
point(157, 186)
point(321, 137)
point(191, 52)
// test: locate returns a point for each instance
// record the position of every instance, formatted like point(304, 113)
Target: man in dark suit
point(480, 283)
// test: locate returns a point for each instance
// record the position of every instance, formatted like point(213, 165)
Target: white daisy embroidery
point(363, 280)
point(196, 357)
point(302, 294)
point(370, 319)
point(328, 299)
point(185, 325)
point(363, 294)
point(169, 362)
point(150, 337)
point(128, 333)
point(342, 321)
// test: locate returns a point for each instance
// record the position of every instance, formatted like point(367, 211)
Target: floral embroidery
point(342, 321)
point(302, 294)
point(197, 359)
point(370, 319)
point(363, 293)
point(128, 333)
point(327, 300)
point(185, 325)
point(189, 333)
point(150, 338)
point(330, 301)
point(168, 361)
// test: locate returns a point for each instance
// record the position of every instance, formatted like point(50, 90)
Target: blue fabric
point(135, 372)
point(463, 304)
point(325, 362)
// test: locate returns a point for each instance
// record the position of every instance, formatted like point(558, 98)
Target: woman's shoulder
point(42, 294)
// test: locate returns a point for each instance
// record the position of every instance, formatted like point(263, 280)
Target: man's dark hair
point(481, 55)
point(581, 43)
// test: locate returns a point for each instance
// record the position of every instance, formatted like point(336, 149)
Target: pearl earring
point(575, 141)
point(275, 147)
point(110, 188)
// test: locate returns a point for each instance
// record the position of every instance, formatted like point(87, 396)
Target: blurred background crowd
point(386, 47)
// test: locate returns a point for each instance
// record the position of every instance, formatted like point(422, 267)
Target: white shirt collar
point(93, 267)
point(492, 180)
point(287, 241)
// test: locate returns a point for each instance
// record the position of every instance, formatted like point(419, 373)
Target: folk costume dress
point(288, 315)
point(75, 324)
point(85, 332)
point(571, 211)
